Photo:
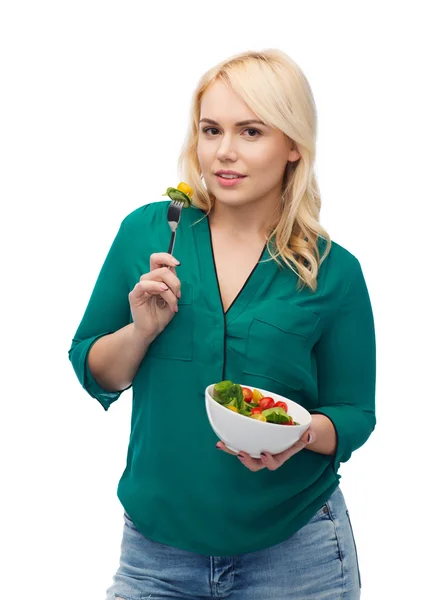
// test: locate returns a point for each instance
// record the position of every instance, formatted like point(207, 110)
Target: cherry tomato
point(282, 404)
point(247, 393)
point(256, 411)
point(266, 403)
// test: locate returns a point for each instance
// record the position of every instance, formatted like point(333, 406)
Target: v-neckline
point(247, 281)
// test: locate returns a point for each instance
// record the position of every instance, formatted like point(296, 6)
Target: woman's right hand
point(148, 317)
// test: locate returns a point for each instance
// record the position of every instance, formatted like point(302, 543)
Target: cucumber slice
point(175, 194)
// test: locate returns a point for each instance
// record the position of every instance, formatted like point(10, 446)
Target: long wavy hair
point(276, 90)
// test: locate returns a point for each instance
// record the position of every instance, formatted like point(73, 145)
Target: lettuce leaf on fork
point(183, 193)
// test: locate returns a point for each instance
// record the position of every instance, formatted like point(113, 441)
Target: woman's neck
point(252, 220)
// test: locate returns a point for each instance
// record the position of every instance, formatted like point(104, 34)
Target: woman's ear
point(294, 154)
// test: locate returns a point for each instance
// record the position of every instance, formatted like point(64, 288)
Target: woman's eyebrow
point(247, 122)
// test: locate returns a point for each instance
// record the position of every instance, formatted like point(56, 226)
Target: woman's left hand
point(271, 461)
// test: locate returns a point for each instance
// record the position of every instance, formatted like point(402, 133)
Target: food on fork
point(183, 193)
point(253, 404)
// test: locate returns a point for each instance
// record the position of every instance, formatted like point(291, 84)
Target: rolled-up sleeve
point(346, 369)
point(107, 311)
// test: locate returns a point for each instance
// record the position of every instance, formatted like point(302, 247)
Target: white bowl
point(238, 432)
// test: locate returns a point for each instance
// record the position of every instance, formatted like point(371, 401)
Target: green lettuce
point(229, 393)
point(244, 410)
point(276, 415)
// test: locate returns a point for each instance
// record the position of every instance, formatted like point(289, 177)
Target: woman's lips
point(229, 182)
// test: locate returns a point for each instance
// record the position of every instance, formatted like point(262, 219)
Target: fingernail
point(176, 262)
point(178, 294)
point(309, 438)
point(175, 309)
point(240, 456)
point(263, 454)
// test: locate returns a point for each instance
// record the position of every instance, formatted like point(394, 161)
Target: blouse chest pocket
point(278, 345)
point(176, 340)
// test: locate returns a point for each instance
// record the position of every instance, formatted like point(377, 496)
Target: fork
point(173, 217)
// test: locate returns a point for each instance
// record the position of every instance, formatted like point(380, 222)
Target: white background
point(94, 109)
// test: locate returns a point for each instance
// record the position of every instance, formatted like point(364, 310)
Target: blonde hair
point(276, 90)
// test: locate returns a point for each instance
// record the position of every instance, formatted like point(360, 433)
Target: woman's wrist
point(326, 438)
point(140, 337)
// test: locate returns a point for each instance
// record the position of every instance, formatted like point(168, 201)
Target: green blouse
point(317, 349)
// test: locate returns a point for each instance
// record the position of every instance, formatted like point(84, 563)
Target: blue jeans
point(318, 562)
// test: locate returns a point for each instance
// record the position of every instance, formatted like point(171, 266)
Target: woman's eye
point(212, 129)
point(255, 130)
point(209, 129)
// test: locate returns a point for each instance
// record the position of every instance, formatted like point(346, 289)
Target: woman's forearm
point(115, 358)
point(326, 440)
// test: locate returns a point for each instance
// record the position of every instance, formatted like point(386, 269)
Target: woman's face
point(257, 151)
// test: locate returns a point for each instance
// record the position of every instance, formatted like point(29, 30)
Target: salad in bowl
point(253, 420)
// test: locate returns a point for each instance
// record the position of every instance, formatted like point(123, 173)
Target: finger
point(151, 288)
point(170, 299)
point(221, 446)
point(163, 274)
point(253, 464)
point(274, 461)
point(159, 259)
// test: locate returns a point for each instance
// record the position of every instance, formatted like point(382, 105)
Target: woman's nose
point(226, 149)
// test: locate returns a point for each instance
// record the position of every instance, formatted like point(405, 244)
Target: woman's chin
point(237, 200)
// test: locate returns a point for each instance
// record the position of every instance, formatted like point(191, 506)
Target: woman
point(262, 297)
